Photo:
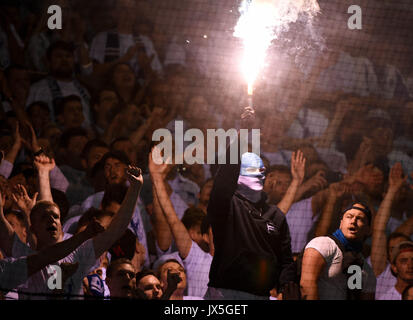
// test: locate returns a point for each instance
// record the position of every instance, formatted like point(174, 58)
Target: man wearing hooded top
point(251, 238)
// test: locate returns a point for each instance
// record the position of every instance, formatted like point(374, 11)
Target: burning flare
point(262, 21)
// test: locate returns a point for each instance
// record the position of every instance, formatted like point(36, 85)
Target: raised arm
point(44, 165)
point(118, 226)
point(14, 151)
point(312, 265)
point(60, 250)
point(298, 97)
point(407, 227)
point(314, 184)
point(139, 133)
point(25, 204)
point(298, 173)
point(163, 232)
point(379, 239)
point(6, 231)
point(225, 181)
point(342, 107)
point(180, 233)
point(335, 192)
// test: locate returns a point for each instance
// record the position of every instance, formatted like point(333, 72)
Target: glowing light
point(260, 23)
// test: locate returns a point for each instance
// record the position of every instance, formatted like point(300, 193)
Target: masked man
point(251, 238)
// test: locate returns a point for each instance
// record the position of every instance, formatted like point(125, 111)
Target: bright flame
point(261, 21)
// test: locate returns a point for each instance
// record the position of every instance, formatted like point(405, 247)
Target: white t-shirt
point(37, 283)
point(391, 294)
point(401, 156)
point(335, 159)
point(332, 283)
point(349, 74)
point(98, 45)
point(309, 123)
point(40, 91)
point(185, 188)
point(300, 221)
point(385, 283)
point(197, 265)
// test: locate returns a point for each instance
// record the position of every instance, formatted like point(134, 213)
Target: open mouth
point(52, 229)
point(352, 229)
point(127, 288)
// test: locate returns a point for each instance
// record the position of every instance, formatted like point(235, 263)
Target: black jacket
point(252, 241)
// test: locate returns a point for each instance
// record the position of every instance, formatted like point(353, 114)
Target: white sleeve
point(58, 180)
point(97, 47)
point(150, 50)
point(159, 252)
point(193, 254)
point(6, 168)
point(325, 246)
point(39, 91)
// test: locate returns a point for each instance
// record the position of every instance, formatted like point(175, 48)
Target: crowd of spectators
point(79, 105)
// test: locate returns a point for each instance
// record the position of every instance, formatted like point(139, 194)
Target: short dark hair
point(365, 210)
point(143, 273)
point(205, 225)
point(25, 169)
point(95, 100)
point(112, 266)
point(70, 133)
point(62, 45)
point(192, 217)
point(395, 235)
point(43, 105)
point(114, 192)
point(18, 214)
point(158, 270)
point(116, 154)
point(92, 144)
point(42, 205)
point(59, 104)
